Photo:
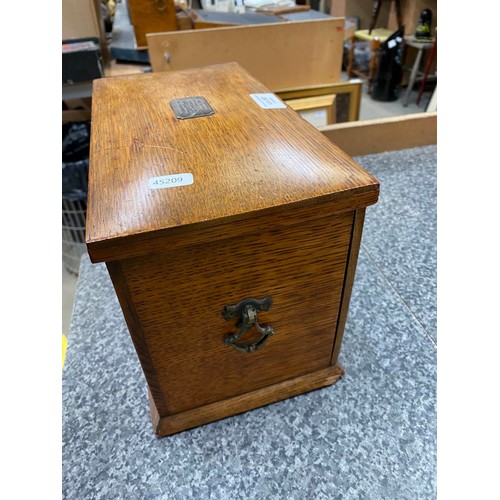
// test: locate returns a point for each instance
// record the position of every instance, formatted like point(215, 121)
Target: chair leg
point(426, 72)
point(374, 47)
point(399, 16)
point(413, 76)
point(350, 61)
point(375, 13)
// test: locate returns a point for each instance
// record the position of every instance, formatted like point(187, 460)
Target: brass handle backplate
point(246, 311)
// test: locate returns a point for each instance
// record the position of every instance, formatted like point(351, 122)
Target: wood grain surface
point(325, 102)
point(171, 424)
point(383, 134)
point(280, 55)
point(352, 88)
point(246, 161)
point(275, 209)
point(174, 303)
point(175, 238)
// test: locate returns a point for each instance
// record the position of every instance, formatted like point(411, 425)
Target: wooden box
point(231, 239)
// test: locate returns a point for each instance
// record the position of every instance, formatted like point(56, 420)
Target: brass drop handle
point(247, 313)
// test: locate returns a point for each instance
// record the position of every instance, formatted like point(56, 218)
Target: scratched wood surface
point(246, 161)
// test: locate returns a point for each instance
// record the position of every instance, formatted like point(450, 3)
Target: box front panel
point(178, 298)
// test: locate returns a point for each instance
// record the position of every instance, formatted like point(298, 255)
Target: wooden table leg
point(375, 12)
point(374, 48)
point(350, 62)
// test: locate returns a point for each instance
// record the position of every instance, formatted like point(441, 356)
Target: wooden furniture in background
point(151, 16)
point(350, 90)
point(375, 37)
point(384, 134)
point(277, 10)
point(338, 8)
point(420, 46)
point(77, 98)
point(377, 4)
point(323, 102)
point(427, 70)
point(305, 73)
point(274, 53)
point(274, 209)
point(76, 110)
point(82, 19)
point(204, 19)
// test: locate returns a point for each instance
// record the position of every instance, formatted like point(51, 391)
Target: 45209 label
point(170, 181)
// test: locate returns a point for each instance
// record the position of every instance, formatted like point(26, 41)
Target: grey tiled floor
point(400, 234)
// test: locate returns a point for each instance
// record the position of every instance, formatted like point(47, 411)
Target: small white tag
point(169, 181)
point(391, 44)
point(268, 101)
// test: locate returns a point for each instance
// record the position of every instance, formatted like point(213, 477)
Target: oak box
point(230, 227)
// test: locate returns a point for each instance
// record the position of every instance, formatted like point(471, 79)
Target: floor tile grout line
point(400, 297)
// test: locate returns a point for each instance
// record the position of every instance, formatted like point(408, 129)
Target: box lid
point(152, 173)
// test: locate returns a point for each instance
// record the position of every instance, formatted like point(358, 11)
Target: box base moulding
point(171, 424)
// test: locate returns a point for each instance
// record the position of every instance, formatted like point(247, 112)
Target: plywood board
point(280, 55)
point(384, 134)
point(80, 19)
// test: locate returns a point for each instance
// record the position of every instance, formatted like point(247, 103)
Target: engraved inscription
point(191, 107)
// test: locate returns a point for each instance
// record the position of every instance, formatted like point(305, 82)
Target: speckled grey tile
point(400, 230)
point(370, 436)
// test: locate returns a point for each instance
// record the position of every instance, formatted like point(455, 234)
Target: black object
point(74, 180)
point(385, 86)
point(81, 60)
point(75, 141)
point(75, 161)
point(75, 169)
point(423, 31)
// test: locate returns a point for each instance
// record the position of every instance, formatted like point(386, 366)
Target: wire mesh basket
point(75, 166)
point(74, 213)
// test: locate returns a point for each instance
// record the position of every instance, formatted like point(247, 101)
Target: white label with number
point(169, 181)
point(268, 101)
